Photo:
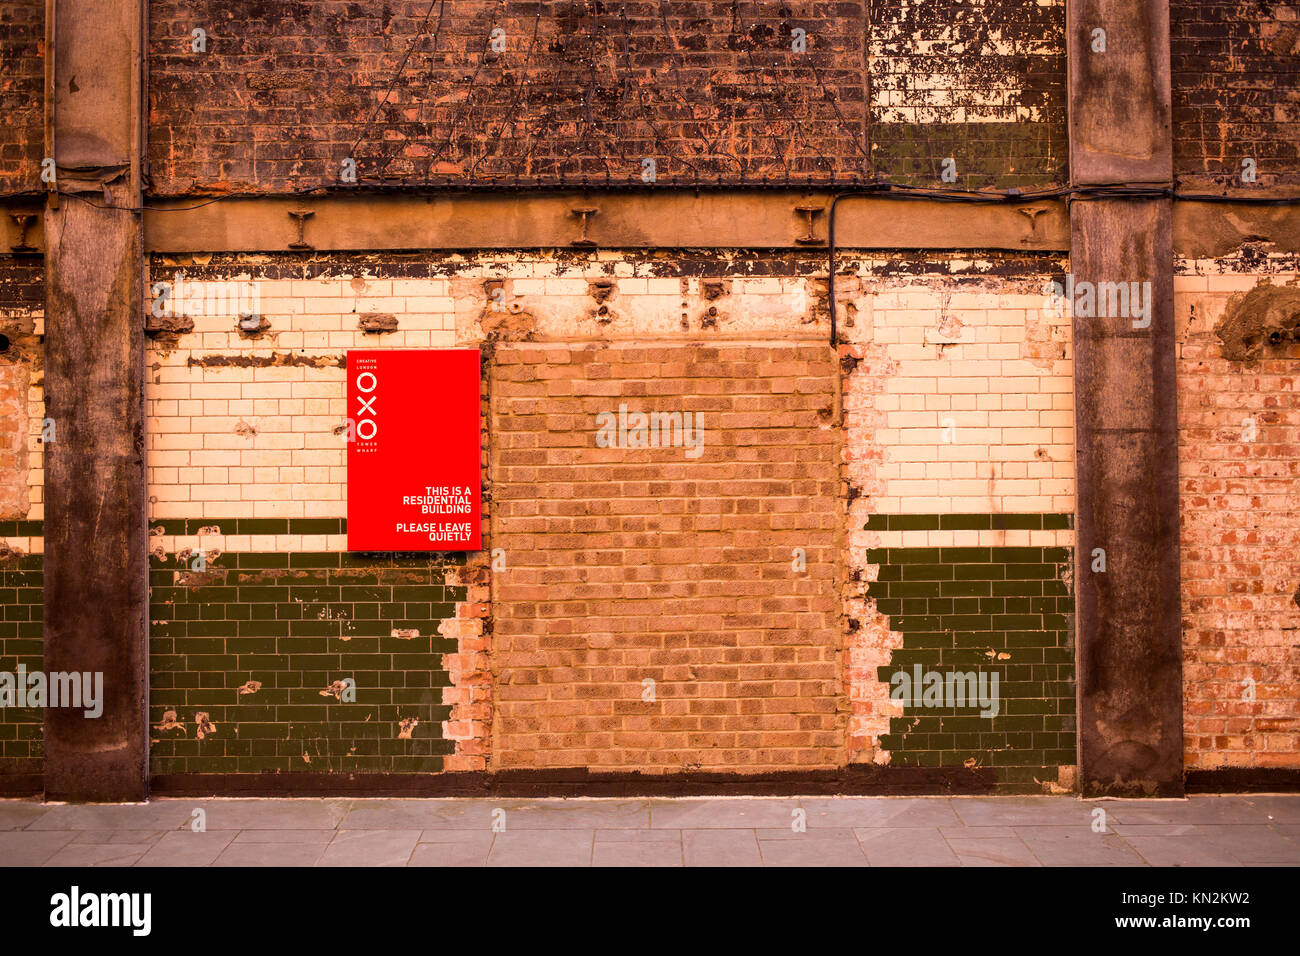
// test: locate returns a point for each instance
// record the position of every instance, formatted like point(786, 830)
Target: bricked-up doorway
point(711, 575)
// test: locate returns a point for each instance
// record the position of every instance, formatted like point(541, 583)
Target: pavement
point(1220, 831)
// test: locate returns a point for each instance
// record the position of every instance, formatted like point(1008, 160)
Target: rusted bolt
point(584, 213)
point(301, 216)
point(23, 220)
point(810, 237)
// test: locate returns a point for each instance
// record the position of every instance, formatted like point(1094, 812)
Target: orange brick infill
point(672, 607)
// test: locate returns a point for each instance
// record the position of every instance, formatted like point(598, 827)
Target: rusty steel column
point(1128, 596)
point(96, 568)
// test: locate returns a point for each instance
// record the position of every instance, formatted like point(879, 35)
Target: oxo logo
point(366, 384)
point(419, 486)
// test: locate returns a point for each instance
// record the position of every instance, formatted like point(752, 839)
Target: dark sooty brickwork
point(1007, 610)
point(249, 660)
point(981, 82)
point(502, 91)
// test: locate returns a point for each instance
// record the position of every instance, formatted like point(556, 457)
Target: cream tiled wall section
point(977, 410)
point(254, 439)
point(964, 404)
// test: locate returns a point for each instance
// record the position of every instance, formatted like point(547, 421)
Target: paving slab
point(187, 848)
point(453, 848)
point(542, 848)
point(639, 836)
point(259, 814)
point(879, 812)
point(109, 837)
point(1180, 851)
point(99, 854)
point(722, 814)
point(826, 847)
point(1284, 808)
point(719, 847)
point(1250, 830)
point(992, 851)
point(910, 846)
point(448, 854)
point(16, 814)
point(1022, 811)
point(285, 836)
point(116, 816)
point(640, 853)
point(1191, 810)
point(419, 814)
point(1253, 844)
point(574, 814)
point(30, 848)
point(270, 854)
point(370, 848)
point(1077, 846)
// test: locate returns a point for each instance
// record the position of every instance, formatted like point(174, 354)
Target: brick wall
point(1239, 461)
point(956, 451)
point(581, 89)
point(284, 93)
point(958, 432)
point(22, 84)
point(721, 578)
point(287, 91)
point(628, 565)
point(1234, 92)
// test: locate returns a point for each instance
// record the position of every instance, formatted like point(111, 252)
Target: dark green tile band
point(186, 526)
point(296, 623)
point(22, 601)
point(970, 522)
point(1007, 610)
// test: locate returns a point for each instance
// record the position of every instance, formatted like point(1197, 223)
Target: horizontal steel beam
point(722, 220)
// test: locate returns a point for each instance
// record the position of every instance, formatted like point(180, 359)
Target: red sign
point(413, 450)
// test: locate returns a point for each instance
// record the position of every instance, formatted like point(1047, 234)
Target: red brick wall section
point(581, 88)
point(22, 82)
point(623, 564)
point(1235, 64)
point(1239, 466)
